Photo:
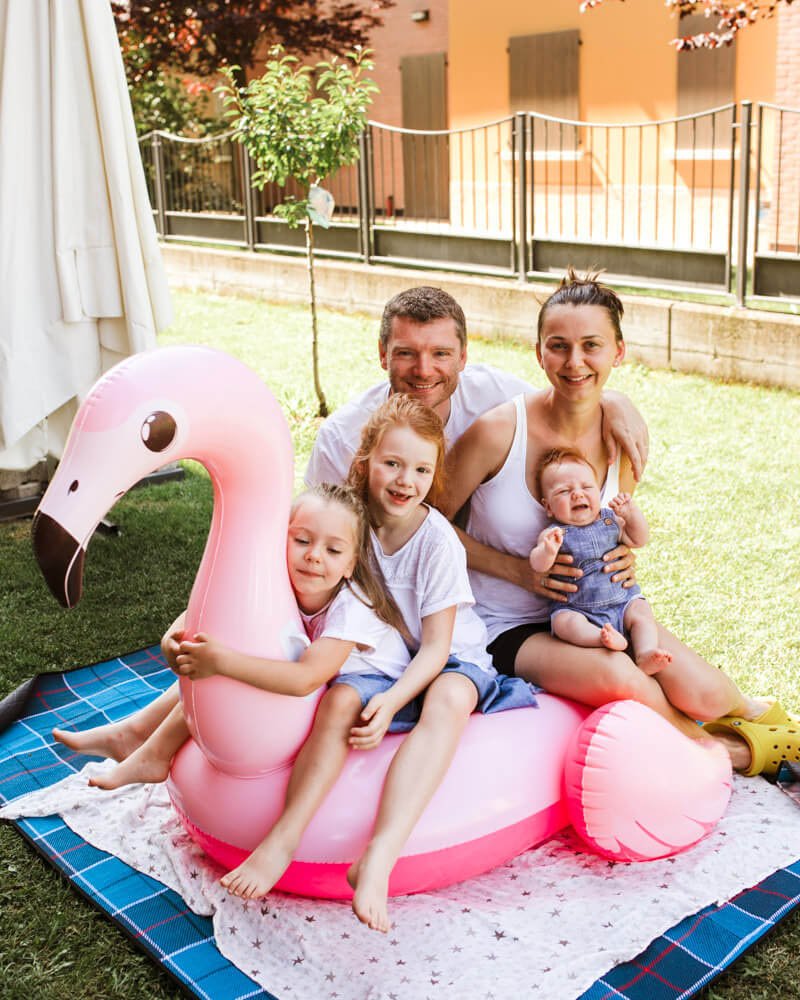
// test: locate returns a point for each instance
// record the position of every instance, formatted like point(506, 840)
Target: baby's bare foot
point(137, 769)
point(653, 660)
point(612, 639)
point(116, 740)
point(259, 872)
point(369, 879)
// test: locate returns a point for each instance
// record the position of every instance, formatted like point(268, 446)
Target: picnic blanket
point(548, 923)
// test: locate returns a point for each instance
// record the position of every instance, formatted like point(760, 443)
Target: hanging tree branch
point(728, 19)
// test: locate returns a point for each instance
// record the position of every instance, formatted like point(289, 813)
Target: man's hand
point(378, 714)
point(624, 428)
point(621, 562)
point(200, 658)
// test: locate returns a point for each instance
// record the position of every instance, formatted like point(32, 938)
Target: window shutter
point(543, 78)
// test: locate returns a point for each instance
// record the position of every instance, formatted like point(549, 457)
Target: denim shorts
point(495, 693)
point(613, 615)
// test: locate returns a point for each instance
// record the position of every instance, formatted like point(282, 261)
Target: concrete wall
point(723, 342)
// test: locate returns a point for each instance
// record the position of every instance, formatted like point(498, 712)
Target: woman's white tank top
point(504, 515)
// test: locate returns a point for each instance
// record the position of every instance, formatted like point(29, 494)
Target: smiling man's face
point(424, 360)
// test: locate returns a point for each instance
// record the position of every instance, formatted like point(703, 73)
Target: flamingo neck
point(242, 596)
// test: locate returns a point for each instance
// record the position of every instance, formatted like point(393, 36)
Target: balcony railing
point(706, 202)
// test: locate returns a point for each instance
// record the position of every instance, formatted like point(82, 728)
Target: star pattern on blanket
point(320, 949)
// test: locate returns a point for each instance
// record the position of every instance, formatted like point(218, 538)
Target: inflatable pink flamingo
point(505, 790)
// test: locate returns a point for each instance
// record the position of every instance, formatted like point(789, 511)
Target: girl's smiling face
point(400, 473)
point(578, 348)
point(320, 551)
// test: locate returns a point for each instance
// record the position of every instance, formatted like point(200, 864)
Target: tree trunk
point(323, 406)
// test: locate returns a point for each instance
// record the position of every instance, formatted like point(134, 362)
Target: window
point(426, 159)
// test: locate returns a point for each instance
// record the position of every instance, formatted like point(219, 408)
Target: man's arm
point(624, 427)
point(330, 459)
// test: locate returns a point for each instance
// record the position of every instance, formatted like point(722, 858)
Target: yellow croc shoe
point(769, 745)
point(775, 715)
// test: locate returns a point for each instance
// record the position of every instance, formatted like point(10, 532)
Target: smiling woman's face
point(578, 348)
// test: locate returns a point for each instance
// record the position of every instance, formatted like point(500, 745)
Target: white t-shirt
point(480, 387)
point(348, 618)
point(429, 574)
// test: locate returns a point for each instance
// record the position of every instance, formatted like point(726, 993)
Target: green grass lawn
point(721, 492)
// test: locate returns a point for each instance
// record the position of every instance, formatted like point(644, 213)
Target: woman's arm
point(322, 660)
point(518, 570)
point(433, 653)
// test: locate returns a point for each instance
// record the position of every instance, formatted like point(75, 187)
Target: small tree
point(290, 133)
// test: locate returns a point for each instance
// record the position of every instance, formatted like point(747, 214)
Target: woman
point(493, 465)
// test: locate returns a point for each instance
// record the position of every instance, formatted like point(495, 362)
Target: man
point(423, 347)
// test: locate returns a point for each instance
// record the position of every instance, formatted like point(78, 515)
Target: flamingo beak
point(60, 559)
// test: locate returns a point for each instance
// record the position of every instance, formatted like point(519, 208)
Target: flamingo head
point(150, 410)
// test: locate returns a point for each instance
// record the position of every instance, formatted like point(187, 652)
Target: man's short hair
point(423, 304)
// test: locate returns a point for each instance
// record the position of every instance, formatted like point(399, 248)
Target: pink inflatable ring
point(504, 791)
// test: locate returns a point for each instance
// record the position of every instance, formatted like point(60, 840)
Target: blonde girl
point(351, 620)
point(398, 471)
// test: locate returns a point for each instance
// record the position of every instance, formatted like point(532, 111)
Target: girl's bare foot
point(612, 639)
point(369, 880)
point(653, 660)
point(139, 768)
point(259, 872)
point(116, 740)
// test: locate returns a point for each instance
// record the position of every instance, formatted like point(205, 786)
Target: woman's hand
point(378, 714)
point(621, 562)
point(545, 585)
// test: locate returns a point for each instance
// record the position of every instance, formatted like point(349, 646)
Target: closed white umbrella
point(82, 283)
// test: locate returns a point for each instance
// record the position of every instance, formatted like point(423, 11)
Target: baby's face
point(571, 494)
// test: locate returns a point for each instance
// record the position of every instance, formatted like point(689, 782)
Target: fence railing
point(705, 202)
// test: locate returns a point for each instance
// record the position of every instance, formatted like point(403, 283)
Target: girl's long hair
point(367, 573)
point(399, 411)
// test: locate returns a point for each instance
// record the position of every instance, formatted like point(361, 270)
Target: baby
point(601, 612)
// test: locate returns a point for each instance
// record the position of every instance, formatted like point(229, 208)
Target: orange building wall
point(400, 36)
point(628, 69)
point(397, 37)
point(756, 60)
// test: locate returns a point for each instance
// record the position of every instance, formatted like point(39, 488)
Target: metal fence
point(707, 202)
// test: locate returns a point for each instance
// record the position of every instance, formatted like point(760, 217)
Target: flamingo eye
point(158, 430)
